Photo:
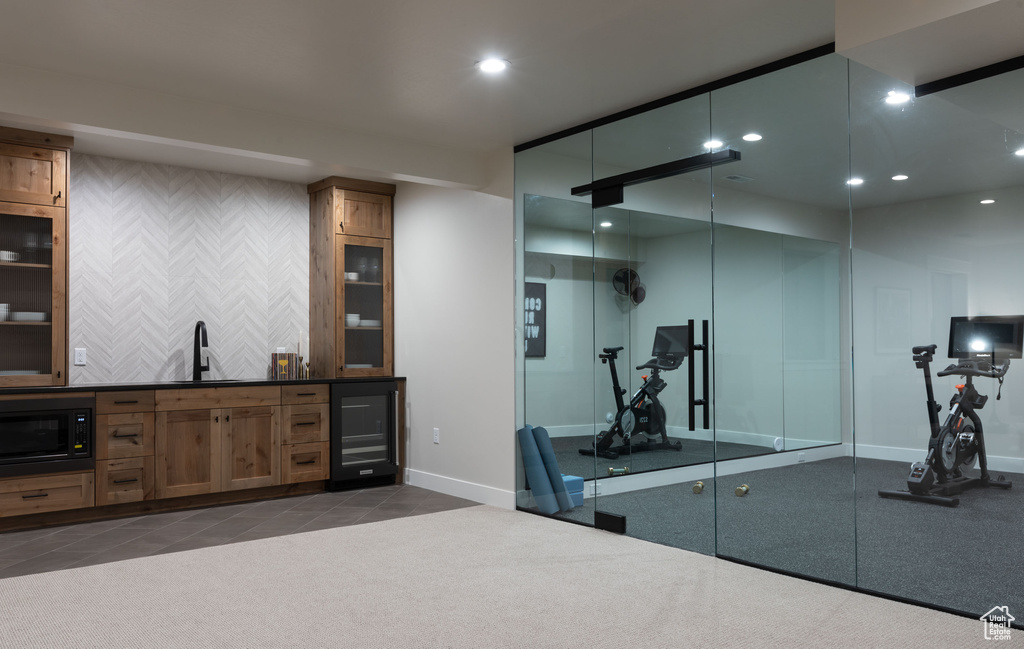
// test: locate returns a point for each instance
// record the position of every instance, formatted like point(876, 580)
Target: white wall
point(915, 265)
point(454, 339)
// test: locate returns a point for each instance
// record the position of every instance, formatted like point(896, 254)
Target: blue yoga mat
point(547, 455)
point(536, 474)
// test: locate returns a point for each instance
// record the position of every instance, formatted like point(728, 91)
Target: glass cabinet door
point(364, 306)
point(32, 310)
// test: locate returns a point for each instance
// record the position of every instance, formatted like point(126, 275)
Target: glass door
point(32, 321)
point(651, 198)
point(785, 477)
point(364, 305)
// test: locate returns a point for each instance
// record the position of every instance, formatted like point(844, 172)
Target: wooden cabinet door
point(251, 448)
point(32, 175)
point(363, 215)
point(188, 452)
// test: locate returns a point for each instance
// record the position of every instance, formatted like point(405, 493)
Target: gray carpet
point(806, 519)
point(693, 451)
point(478, 577)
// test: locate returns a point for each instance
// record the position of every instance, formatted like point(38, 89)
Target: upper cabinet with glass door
point(33, 258)
point(351, 295)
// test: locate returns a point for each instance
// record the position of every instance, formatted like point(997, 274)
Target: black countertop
point(177, 385)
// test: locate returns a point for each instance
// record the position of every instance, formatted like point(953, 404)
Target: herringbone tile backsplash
point(154, 248)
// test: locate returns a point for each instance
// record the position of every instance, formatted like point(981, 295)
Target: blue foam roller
point(547, 455)
point(536, 474)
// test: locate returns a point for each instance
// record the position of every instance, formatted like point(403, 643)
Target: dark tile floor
point(83, 544)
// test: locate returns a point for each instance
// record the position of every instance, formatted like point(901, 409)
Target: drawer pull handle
point(122, 403)
point(307, 462)
point(307, 394)
point(34, 496)
point(305, 423)
point(120, 436)
point(126, 481)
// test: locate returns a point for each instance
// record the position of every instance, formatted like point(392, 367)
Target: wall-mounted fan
point(626, 282)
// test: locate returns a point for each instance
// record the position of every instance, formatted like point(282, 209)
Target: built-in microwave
point(46, 435)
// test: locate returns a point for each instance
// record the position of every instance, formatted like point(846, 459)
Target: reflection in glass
point(927, 252)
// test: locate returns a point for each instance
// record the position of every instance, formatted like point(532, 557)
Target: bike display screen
point(672, 341)
point(986, 336)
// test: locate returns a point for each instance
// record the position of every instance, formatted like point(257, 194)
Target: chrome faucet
point(199, 340)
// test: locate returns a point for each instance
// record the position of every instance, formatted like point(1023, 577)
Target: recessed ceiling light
point(987, 201)
point(751, 137)
point(712, 144)
point(895, 97)
point(900, 177)
point(492, 65)
point(855, 181)
point(1019, 152)
point(606, 224)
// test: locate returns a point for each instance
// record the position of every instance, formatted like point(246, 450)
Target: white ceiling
point(380, 89)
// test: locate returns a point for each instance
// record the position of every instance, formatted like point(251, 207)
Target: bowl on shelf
point(28, 316)
point(351, 319)
point(351, 277)
point(369, 323)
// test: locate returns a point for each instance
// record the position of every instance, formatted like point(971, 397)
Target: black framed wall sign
point(535, 325)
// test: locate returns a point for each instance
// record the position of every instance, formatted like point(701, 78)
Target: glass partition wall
point(783, 230)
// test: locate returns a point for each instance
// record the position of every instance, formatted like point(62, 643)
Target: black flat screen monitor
point(986, 336)
point(671, 341)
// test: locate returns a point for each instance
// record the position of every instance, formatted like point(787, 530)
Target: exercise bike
point(643, 415)
point(958, 443)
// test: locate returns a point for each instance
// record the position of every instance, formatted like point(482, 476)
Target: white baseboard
point(461, 489)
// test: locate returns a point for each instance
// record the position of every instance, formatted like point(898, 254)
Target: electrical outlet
point(281, 350)
point(800, 457)
point(437, 435)
point(79, 355)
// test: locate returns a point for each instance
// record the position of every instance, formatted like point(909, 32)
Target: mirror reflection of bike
point(643, 415)
point(983, 347)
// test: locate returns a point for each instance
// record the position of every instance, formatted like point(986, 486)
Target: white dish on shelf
point(351, 319)
point(357, 366)
point(17, 372)
point(351, 277)
point(28, 316)
point(369, 323)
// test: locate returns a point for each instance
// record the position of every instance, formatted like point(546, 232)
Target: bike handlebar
point(977, 367)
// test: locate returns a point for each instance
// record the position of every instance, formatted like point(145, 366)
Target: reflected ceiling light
point(855, 181)
point(895, 97)
point(751, 137)
point(900, 177)
point(606, 224)
point(1019, 152)
point(712, 144)
point(987, 201)
point(492, 65)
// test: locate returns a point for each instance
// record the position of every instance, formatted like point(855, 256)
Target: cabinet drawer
point(304, 462)
point(319, 393)
point(200, 398)
point(124, 435)
point(306, 423)
point(116, 402)
point(124, 481)
point(48, 493)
